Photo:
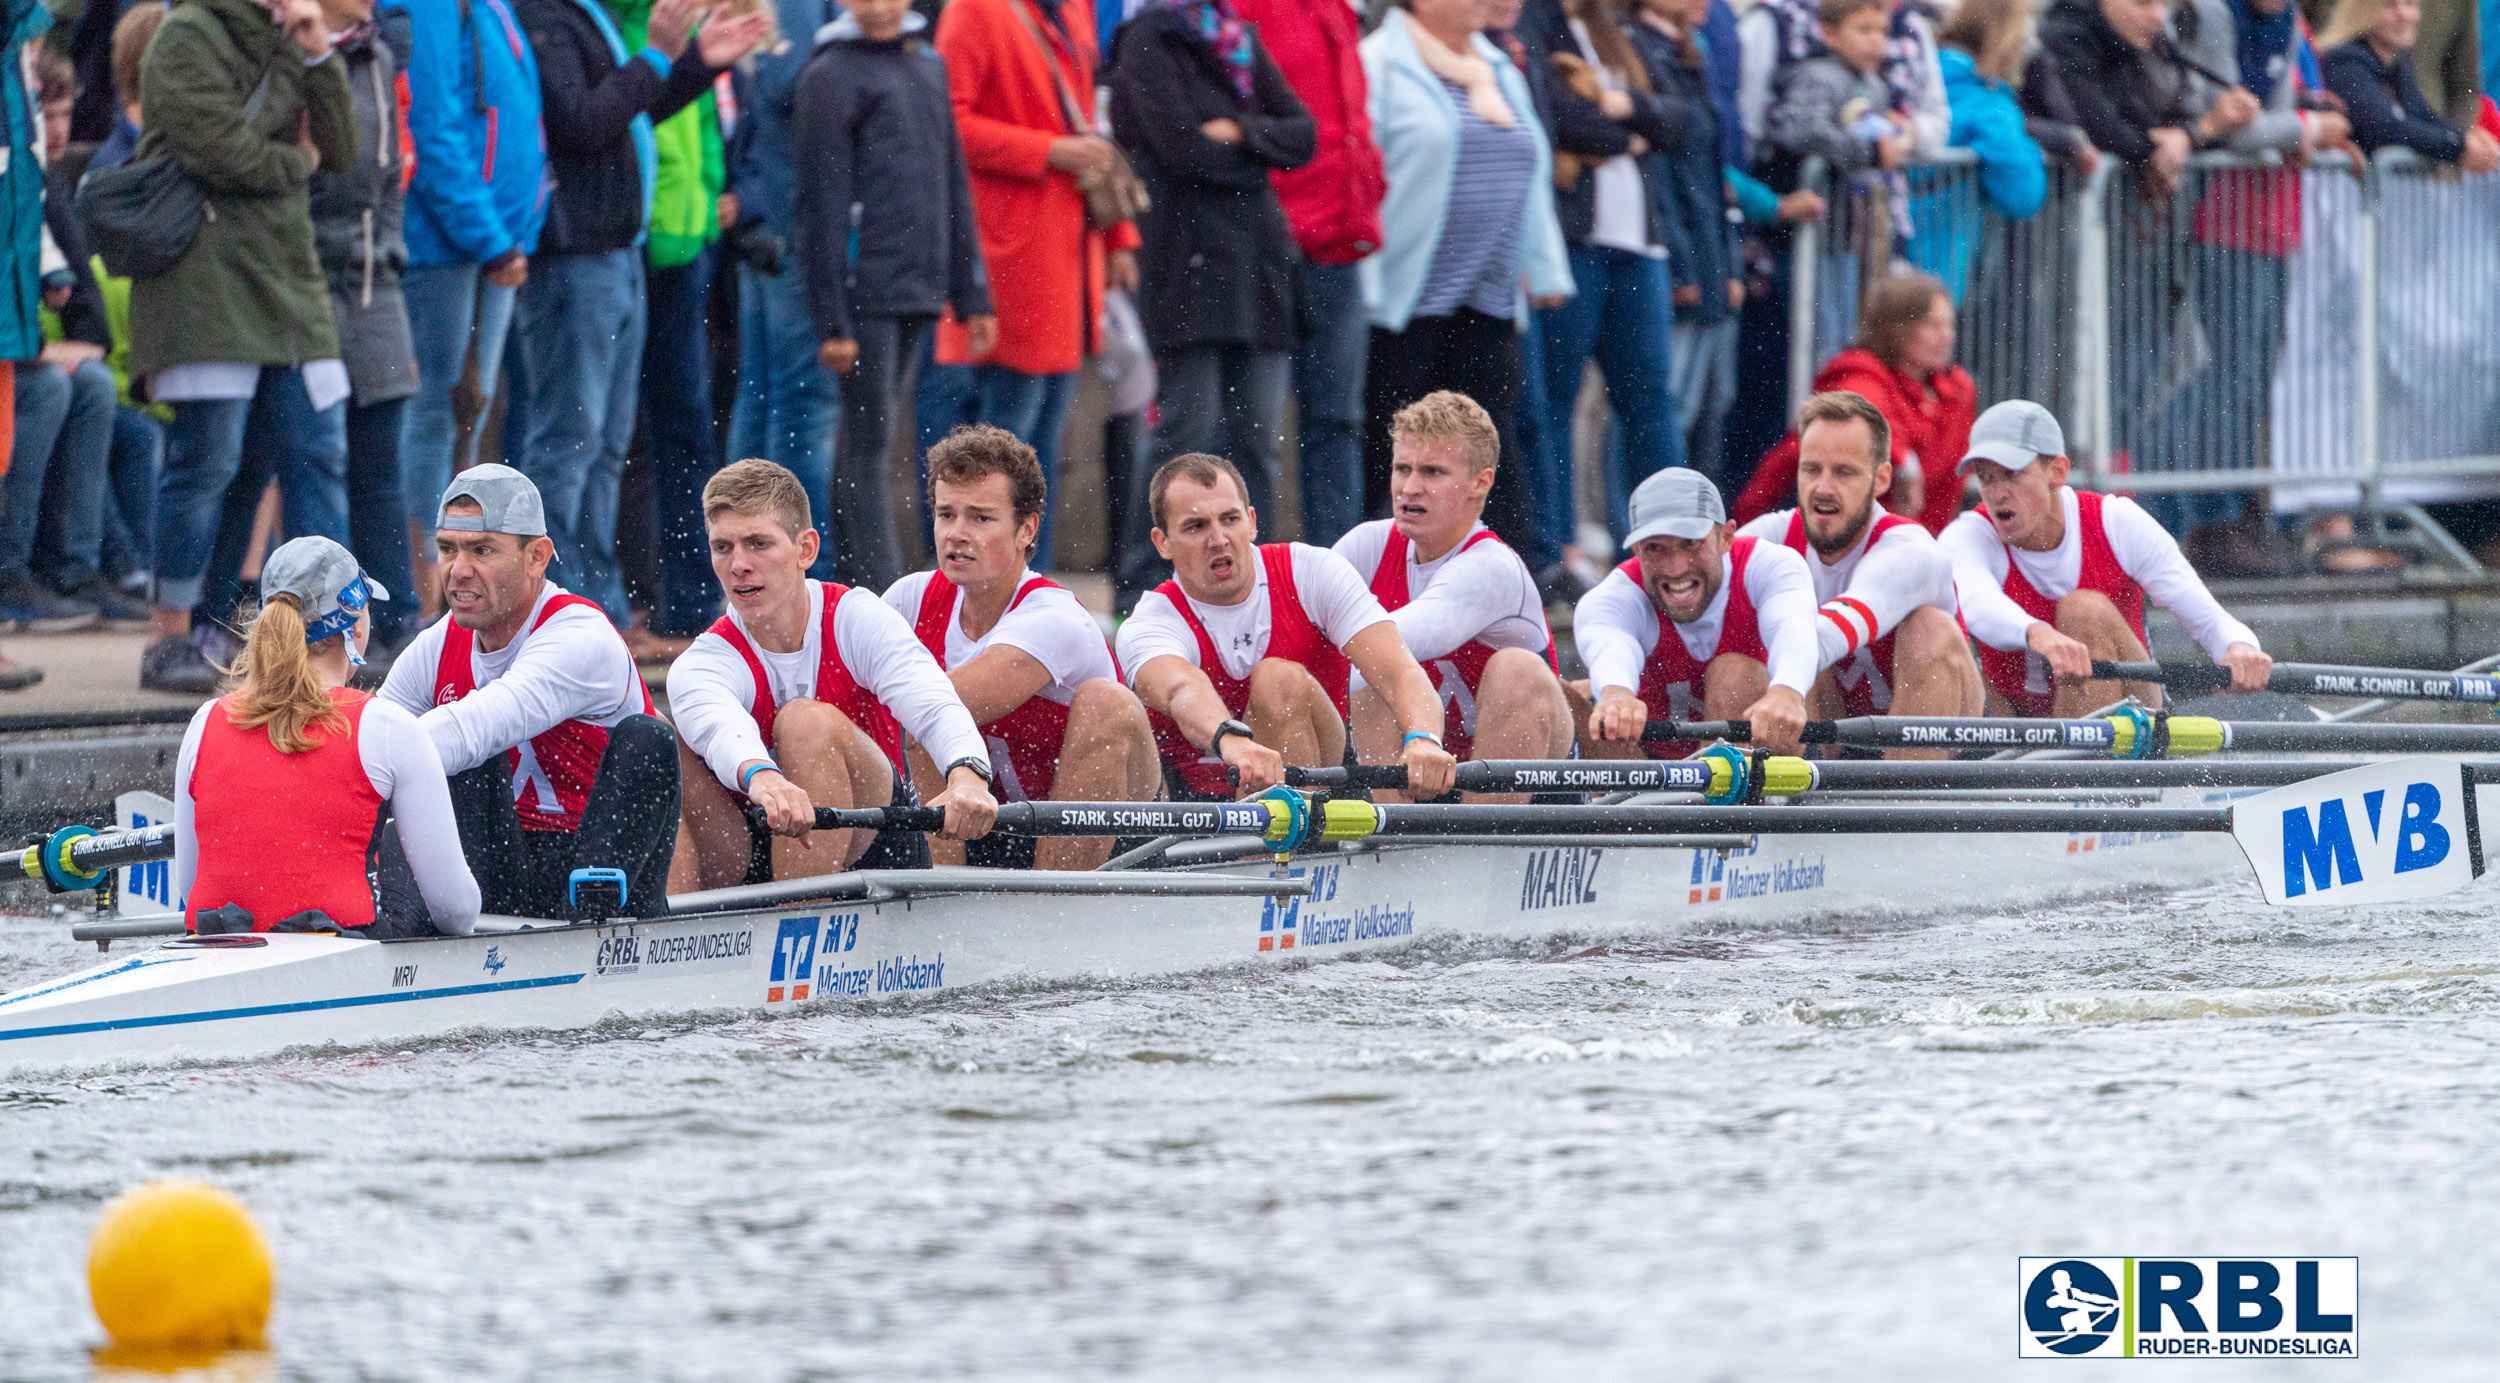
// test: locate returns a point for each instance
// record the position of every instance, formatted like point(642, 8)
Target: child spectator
point(875, 130)
point(1836, 105)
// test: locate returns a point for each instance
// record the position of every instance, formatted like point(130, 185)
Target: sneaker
point(177, 665)
point(110, 602)
point(36, 610)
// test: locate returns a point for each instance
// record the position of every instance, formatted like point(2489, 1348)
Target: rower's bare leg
point(2089, 618)
point(1108, 755)
point(1291, 714)
point(1521, 713)
point(1576, 695)
point(1730, 684)
point(1933, 673)
point(819, 749)
point(712, 840)
point(930, 782)
point(1376, 737)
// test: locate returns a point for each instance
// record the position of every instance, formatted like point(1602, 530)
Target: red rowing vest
point(1864, 673)
point(1026, 739)
point(1459, 674)
point(1671, 681)
point(279, 833)
point(834, 684)
point(1290, 636)
point(564, 758)
point(2009, 670)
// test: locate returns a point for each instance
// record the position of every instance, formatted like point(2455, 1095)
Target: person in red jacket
point(1333, 205)
point(1903, 364)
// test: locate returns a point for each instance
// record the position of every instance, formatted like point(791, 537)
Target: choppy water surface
point(1806, 1154)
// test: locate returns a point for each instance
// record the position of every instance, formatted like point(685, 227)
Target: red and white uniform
point(1895, 567)
point(859, 656)
point(1307, 604)
point(280, 833)
point(2111, 546)
point(1455, 612)
point(1044, 622)
point(1764, 610)
point(547, 700)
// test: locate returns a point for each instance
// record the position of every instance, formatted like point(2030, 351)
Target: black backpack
point(144, 214)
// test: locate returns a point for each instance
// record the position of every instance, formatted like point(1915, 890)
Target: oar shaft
point(76, 857)
point(1360, 820)
point(2315, 679)
point(1074, 818)
point(1923, 732)
point(1792, 777)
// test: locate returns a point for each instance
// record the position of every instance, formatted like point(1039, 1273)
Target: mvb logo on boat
point(794, 960)
point(1278, 916)
point(2157, 1308)
point(2405, 828)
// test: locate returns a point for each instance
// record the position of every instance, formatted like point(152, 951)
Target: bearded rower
point(557, 762)
point(1744, 645)
point(799, 698)
point(2052, 577)
point(1244, 658)
point(1027, 659)
point(1890, 634)
point(1464, 603)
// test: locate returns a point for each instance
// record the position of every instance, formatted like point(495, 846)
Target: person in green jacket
point(239, 329)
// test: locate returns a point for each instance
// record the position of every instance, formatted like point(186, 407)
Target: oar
point(1789, 777)
point(78, 857)
point(2120, 736)
point(2314, 679)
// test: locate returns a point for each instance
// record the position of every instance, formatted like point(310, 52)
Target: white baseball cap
point(1678, 502)
point(508, 500)
point(328, 585)
point(2014, 434)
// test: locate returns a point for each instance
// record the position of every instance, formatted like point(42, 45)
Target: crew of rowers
point(513, 753)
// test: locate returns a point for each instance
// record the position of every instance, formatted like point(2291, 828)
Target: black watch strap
point(1215, 744)
point(977, 765)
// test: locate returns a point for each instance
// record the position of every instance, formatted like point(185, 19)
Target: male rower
point(1462, 600)
point(1890, 633)
point(799, 698)
point(1245, 655)
point(1026, 658)
point(1741, 610)
point(2052, 577)
point(557, 762)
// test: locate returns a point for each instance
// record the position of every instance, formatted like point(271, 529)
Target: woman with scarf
point(1469, 220)
point(1205, 115)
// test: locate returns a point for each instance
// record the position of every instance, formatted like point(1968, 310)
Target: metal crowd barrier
point(2325, 333)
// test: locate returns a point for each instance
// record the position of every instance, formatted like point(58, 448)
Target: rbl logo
point(2125, 1308)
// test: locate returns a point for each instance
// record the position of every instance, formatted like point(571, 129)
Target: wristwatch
point(977, 764)
point(1215, 745)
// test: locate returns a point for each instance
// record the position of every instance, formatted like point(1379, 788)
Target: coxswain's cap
point(327, 583)
point(1678, 502)
point(509, 501)
point(2014, 434)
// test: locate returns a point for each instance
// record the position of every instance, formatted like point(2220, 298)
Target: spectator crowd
point(619, 242)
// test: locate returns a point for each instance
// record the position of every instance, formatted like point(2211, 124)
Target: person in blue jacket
point(473, 214)
point(1982, 49)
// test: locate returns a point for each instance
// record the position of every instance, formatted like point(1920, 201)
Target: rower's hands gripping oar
point(787, 809)
point(1618, 717)
point(1777, 719)
point(969, 809)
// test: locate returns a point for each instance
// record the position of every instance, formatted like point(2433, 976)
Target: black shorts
point(892, 849)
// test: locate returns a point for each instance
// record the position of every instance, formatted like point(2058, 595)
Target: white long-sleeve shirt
point(2144, 549)
point(573, 667)
point(1051, 626)
point(711, 691)
point(1335, 598)
point(1481, 594)
point(399, 760)
point(1616, 626)
point(1873, 587)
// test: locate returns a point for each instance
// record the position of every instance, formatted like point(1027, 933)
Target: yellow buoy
point(180, 1263)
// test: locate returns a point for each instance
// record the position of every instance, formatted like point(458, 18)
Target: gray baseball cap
point(326, 582)
point(510, 502)
point(2014, 434)
point(1678, 502)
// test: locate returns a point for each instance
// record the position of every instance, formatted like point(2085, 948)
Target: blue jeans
point(204, 449)
point(1621, 316)
point(1035, 408)
point(446, 304)
point(65, 442)
point(582, 322)
point(1557, 512)
point(1334, 339)
point(677, 434)
point(377, 528)
point(1705, 388)
point(130, 521)
point(787, 403)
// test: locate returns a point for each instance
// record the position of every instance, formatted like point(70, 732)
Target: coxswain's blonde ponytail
point(280, 689)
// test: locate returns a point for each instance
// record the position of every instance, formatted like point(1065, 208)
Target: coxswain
point(799, 698)
point(557, 762)
point(1027, 659)
point(1245, 656)
point(2052, 577)
point(1463, 601)
point(1890, 631)
point(301, 804)
point(1742, 610)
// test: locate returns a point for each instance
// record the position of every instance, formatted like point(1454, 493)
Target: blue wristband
point(1414, 735)
point(747, 775)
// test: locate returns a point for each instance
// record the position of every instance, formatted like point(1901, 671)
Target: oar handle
point(1389, 776)
point(1733, 731)
point(880, 818)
